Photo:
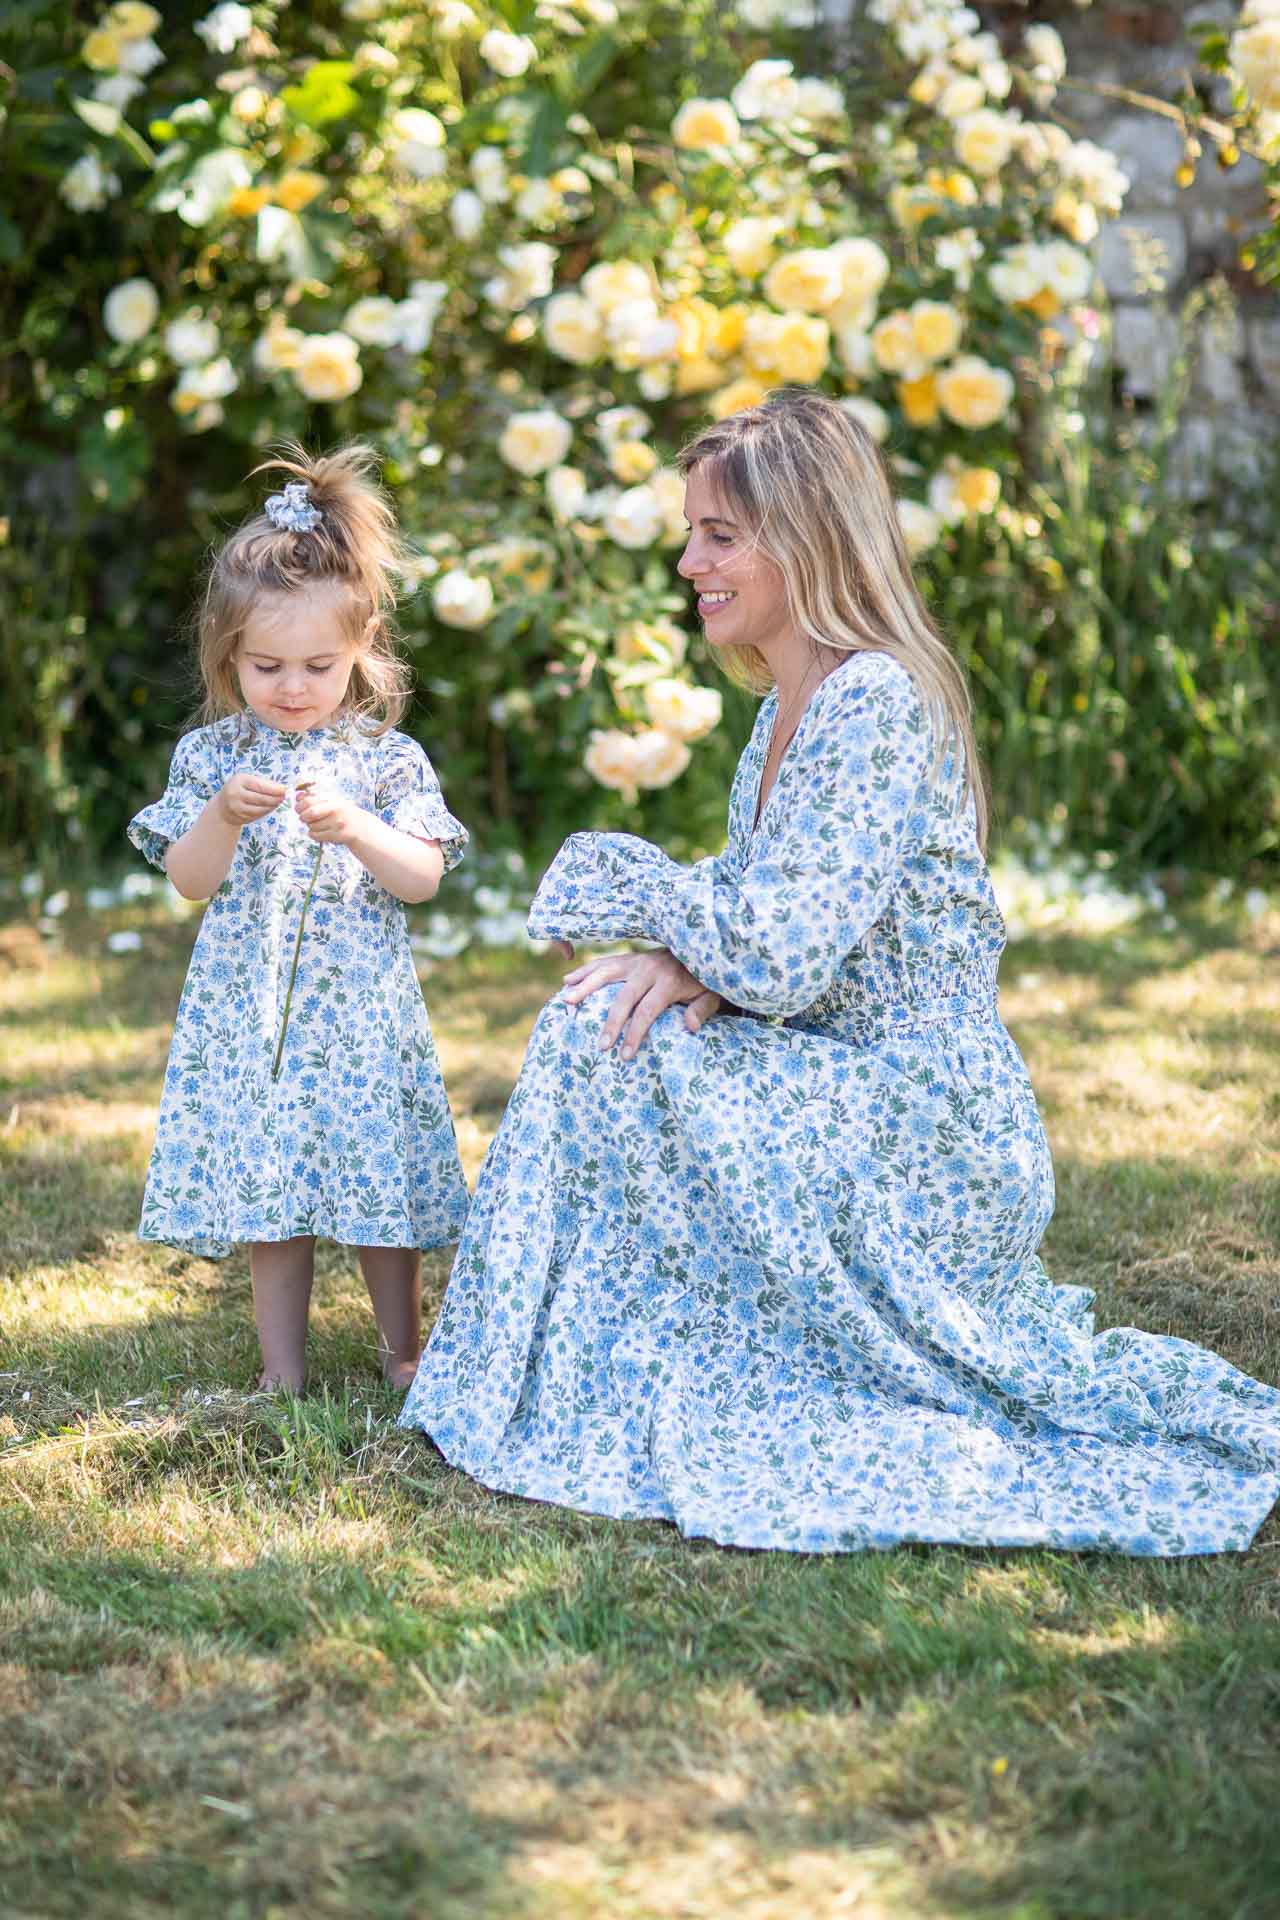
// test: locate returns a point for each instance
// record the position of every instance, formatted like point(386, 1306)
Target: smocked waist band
point(846, 1012)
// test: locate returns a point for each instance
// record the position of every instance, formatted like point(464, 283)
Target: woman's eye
point(723, 539)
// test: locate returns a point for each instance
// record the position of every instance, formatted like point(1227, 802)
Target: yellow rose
point(978, 489)
point(632, 461)
point(893, 345)
point(973, 393)
point(328, 366)
point(528, 561)
point(1077, 218)
point(102, 50)
point(684, 711)
point(534, 441)
point(277, 350)
point(667, 488)
point(962, 96)
point(737, 397)
point(698, 375)
point(132, 21)
point(749, 245)
point(566, 492)
point(611, 759)
point(864, 268)
point(919, 400)
point(612, 282)
point(661, 640)
point(572, 328)
point(805, 282)
point(694, 320)
point(984, 141)
point(920, 526)
point(935, 329)
point(1255, 55)
point(705, 123)
point(246, 201)
point(791, 346)
point(727, 330)
point(1045, 305)
point(296, 190)
point(660, 757)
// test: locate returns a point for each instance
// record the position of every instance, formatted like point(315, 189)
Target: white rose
point(621, 423)
point(867, 414)
point(638, 334)
point(489, 175)
point(117, 90)
point(466, 215)
point(818, 101)
point(198, 386)
point(224, 28)
point(654, 382)
point(528, 273)
point(667, 488)
point(920, 526)
point(1019, 273)
point(677, 708)
point(532, 442)
point(573, 329)
point(129, 310)
point(767, 91)
point(328, 366)
point(139, 57)
point(965, 94)
point(419, 138)
point(566, 492)
point(277, 350)
point(462, 599)
point(611, 282)
point(1044, 49)
point(191, 341)
point(509, 54)
point(763, 14)
point(453, 18)
point(210, 184)
point(1067, 270)
point(88, 185)
point(749, 245)
point(984, 141)
point(416, 314)
point(853, 344)
point(374, 321)
point(635, 517)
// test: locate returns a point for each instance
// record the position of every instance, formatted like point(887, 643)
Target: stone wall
point(1170, 240)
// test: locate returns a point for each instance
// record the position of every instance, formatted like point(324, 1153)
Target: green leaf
point(545, 129)
point(324, 94)
point(592, 64)
point(10, 242)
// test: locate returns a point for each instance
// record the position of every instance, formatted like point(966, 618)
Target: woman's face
point(294, 660)
point(742, 597)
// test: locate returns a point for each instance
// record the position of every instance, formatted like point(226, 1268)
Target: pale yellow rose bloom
point(297, 189)
point(737, 397)
point(132, 20)
point(808, 281)
point(102, 49)
point(962, 96)
point(632, 461)
point(705, 123)
point(129, 310)
point(698, 375)
point(566, 492)
point(727, 331)
point(660, 640)
point(973, 393)
point(660, 757)
point(978, 489)
point(573, 328)
point(667, 488)
point(1068, 271)
point(790, 346)
point(749, 244)
point(684, 711)
point(611, 283)
point(893, 343)
point(920, 526)
point(919, 400)
point(277, 350)
point(611, 759)
point(868, 414)
point(984, 141)
point(517, 558)
point(1077, 218)
point(694, 319)
point(935, 328)
point(328, 366)
point(864, 268)
point(1255, 55)
point(462, 599)
point(534, 441)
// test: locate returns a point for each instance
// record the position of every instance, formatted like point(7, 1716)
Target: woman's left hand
point(651, 982)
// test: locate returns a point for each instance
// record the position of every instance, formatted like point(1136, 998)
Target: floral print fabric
point(777, 1280)
point(354, 1139)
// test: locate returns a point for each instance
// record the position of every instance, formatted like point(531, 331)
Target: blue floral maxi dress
point(777, 1280)
point(353, 1140)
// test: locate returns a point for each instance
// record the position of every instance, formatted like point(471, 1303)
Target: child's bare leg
point(282, 1274)
point(393, 1276)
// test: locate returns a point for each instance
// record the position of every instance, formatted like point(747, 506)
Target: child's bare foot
point(281, 1382)
point(399, 1373)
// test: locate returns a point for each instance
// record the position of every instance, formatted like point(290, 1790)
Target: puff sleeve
point(408, 797)
point(193, 782)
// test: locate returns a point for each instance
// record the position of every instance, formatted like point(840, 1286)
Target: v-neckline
point(761, 806)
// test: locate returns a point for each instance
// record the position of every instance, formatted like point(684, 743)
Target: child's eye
point(262, 669)
point(317, 669)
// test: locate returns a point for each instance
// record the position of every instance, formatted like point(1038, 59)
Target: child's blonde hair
point(354, 547)
point(812, 488)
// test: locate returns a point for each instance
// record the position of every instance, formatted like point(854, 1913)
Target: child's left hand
point(329, 815)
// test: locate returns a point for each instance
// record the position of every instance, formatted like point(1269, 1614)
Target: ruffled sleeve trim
point(191, 787)
point(409, 798)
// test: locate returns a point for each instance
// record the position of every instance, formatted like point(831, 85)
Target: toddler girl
point(302, 1095)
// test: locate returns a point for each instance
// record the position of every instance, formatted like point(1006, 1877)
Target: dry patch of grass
point(264, 1658)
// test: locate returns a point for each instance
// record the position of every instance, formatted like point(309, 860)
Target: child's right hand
point(247, 796)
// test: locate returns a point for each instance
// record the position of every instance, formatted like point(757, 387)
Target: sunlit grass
point(263, 1656)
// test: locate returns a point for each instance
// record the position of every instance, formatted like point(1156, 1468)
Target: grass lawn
point(266, 1658)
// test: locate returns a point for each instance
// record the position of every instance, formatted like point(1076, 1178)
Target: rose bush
point(485, 237)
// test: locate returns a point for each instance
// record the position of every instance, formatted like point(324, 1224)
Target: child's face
point(294, 660)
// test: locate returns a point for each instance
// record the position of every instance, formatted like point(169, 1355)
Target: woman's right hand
point(650, 983)
point(247, 796)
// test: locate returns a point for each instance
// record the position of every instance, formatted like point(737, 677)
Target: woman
point(772, 1274)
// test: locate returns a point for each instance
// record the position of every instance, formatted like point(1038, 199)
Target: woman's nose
point(687, 565)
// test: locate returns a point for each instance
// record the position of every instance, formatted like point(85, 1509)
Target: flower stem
point(293, 971)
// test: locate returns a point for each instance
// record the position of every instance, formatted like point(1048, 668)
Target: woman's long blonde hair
point(808, 482)
point(355, 548)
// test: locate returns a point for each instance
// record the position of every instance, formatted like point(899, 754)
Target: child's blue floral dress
point(352, 1137)
point(777, 1280)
